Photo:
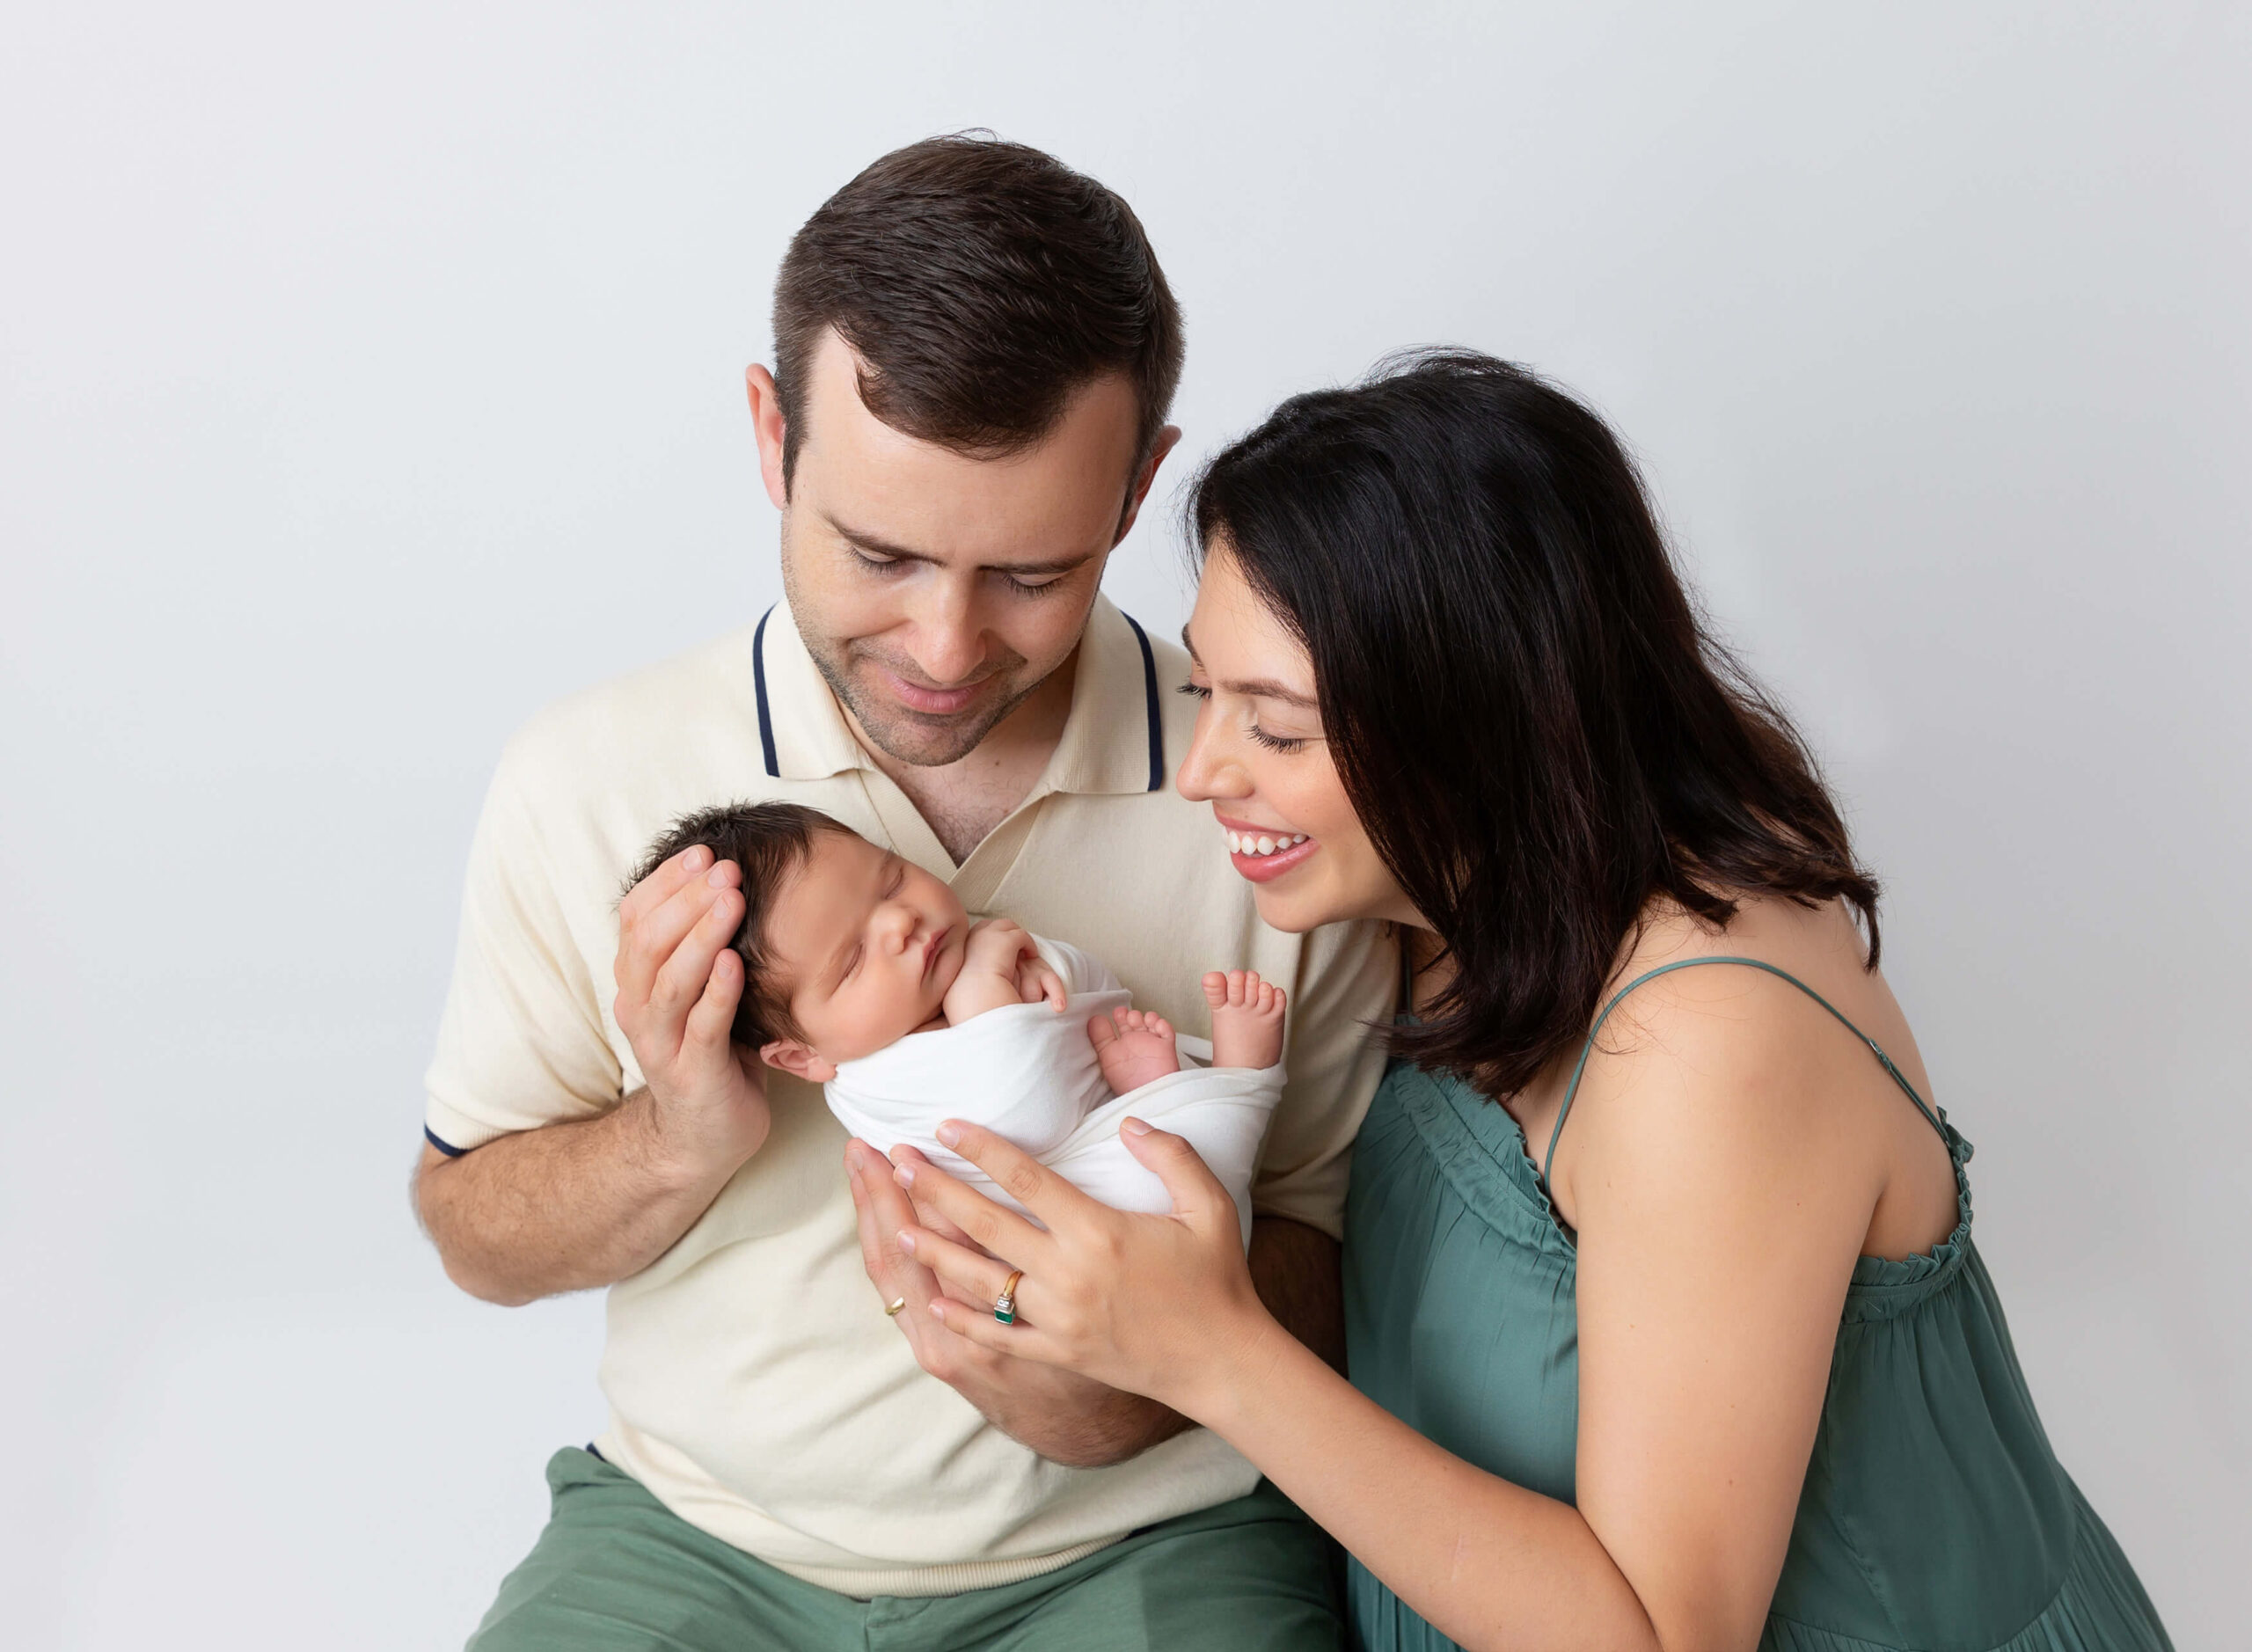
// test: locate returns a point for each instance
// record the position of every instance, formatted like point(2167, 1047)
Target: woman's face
point(1260, 760)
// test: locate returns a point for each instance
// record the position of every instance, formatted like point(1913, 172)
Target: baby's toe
point(1216, 989)
point(1237, 979)
point(1159, 1026)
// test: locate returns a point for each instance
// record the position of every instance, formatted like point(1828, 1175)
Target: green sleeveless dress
point(1934, 1518)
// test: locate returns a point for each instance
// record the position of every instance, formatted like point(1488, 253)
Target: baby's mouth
point(932, 950)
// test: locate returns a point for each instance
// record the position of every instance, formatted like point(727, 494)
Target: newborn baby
point(863, 973)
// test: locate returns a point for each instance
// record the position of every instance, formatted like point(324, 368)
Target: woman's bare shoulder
point(1724, 1053)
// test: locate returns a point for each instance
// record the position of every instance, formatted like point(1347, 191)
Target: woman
point(1666, 1325)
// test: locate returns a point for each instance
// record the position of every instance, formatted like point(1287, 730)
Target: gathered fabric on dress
point(1934, 1517)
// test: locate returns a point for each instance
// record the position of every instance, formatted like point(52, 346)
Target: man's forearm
point(1298, 1271)
point(566, 1207)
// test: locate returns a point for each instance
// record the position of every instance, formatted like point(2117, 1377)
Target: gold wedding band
point(892, 1311)
point(1004, 1306)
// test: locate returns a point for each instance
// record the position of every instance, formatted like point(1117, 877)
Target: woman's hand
point(1161, 1305)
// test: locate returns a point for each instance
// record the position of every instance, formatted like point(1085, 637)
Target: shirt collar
point(1113, 741)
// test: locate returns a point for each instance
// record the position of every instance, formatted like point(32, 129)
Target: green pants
point(615, 1571)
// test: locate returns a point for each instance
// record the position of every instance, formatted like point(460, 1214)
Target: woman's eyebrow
point(1253, 688)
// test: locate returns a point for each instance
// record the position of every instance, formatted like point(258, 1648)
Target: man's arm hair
point(1298, 1272)
point(572, 1206)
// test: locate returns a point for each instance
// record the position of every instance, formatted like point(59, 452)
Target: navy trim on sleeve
point(446, 1148)
point(1149, 688)
point(765, 716)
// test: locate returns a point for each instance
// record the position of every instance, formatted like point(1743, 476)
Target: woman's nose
point(1206, 773)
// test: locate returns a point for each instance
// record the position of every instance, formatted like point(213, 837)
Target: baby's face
point(867, 944)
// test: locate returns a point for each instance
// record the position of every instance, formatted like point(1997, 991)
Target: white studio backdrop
point(370, 377)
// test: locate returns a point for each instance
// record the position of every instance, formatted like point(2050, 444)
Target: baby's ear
point(787, 1055)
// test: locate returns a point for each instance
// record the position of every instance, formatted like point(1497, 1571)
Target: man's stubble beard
point(922, 742)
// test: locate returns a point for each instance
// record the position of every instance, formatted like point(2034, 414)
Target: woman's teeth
point(1261, 843)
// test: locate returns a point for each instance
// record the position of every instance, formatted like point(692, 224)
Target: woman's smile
point(1262, 853)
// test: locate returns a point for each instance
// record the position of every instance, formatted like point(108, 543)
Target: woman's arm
point(1490, 1563)
point(1720, 1204)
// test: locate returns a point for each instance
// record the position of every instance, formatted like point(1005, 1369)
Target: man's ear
point(768, 424)
point(787, 1055)
point(1167, 440)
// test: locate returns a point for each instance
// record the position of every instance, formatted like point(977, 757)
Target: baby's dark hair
point(769, 841)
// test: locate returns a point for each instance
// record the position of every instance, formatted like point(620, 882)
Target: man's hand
point(1067, 1419)
point(678, 983)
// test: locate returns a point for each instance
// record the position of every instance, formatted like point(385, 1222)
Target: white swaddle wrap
point(1028, 1073)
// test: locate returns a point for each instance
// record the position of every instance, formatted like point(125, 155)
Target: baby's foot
point(1247, 1019)
point(1134, 1048)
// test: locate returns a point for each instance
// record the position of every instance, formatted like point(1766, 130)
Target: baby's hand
point(999, 966)
point(1036, 979)
point(995, 946)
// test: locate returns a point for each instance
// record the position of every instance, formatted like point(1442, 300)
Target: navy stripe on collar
point(765, 716)
point(1149, 691)
point(446, 1148)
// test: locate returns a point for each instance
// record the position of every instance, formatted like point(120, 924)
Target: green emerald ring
point(1004, 1306)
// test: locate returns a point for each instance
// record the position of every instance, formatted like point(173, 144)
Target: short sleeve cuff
point(452, 1132)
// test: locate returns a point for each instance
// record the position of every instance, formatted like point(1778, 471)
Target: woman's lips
point(1262, 853)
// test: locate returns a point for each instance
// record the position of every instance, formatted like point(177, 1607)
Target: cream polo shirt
point(756, 1386)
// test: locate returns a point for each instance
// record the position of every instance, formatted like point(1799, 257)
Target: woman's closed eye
point(1273, 742)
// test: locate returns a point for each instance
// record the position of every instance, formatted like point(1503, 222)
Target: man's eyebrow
point(1254, 687)
point(876, 544)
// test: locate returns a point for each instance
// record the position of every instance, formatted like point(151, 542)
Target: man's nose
point(948, 637)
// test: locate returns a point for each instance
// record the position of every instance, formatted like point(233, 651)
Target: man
point(975, 353)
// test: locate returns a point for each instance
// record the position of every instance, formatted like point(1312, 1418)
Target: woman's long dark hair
point(1537, 732)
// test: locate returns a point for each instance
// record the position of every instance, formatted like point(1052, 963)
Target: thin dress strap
point(1588, 1048)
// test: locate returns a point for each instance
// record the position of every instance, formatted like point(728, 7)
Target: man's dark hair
point(769, 841)
point(980, 283)
point(1538, 733)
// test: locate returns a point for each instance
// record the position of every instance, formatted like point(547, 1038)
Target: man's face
point(936, 591)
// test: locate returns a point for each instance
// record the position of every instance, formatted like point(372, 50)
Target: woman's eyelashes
point(1284, 743)
point(1273, 742)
